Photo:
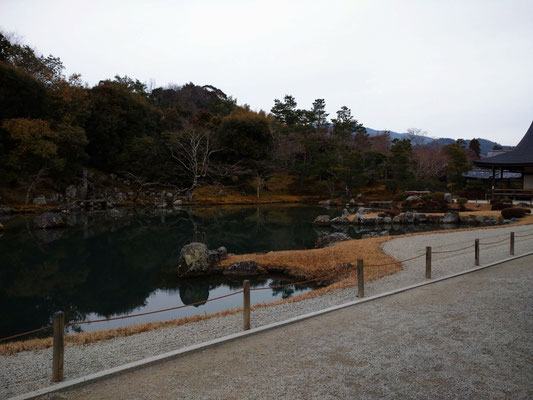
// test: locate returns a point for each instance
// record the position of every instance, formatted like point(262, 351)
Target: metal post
point(246, 304)
point(476, 251)
point(59, 346)
point(511, 245)
point(360, 278)
point(428, 262)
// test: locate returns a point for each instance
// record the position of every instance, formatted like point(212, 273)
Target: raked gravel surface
point(27, 371)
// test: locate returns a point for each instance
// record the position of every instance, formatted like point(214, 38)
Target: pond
point(103, 267)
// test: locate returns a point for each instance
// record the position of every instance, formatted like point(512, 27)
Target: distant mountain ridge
point(485, 144)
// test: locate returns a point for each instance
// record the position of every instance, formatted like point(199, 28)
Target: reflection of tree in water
point(286, 291)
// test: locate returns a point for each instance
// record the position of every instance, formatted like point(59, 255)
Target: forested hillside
point(185, 137)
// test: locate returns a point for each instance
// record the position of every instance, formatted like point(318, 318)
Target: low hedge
point(513, 212)
point(500, 205)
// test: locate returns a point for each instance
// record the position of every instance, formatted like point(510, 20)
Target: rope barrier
point(452, 251)
point(255, 289)
point(122, 317)
point(491, 243)
point(396, 262)
point(26, 333)
point(531, 234)
point(153, 312)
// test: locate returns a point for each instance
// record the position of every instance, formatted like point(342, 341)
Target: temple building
point(517, 160)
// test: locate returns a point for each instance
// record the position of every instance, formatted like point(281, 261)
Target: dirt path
point(467, 337)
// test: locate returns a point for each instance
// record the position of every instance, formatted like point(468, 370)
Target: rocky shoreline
point(409, 217)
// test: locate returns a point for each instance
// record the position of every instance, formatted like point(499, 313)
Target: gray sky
point(458, 69)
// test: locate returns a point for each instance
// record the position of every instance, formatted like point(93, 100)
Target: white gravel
point(28, 371)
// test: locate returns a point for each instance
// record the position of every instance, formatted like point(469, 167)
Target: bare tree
point(417, 136)
point(191, 151)
point(34, 181)
point(430, 160)
point(140, 183)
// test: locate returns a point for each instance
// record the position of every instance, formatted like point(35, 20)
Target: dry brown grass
point(302, 264)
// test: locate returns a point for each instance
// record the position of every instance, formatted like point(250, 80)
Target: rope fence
point(59, 324)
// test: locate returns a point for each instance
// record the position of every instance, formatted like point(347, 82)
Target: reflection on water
point(103, 267)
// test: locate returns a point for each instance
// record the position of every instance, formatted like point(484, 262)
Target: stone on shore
point(451, 218)
point(39, 200)
point(243, 268)
point(217, 255)
point(322, 220)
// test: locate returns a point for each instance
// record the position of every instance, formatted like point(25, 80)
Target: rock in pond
point(215, 256)
point(322, 220)
point(244, 268)
point(194, 260)
point(328, 240)
point(49, 220)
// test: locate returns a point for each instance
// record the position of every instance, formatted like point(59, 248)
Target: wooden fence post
point(59, 346)
point(511, 245)
point(360, 278)
point(428, 262)
point(246, 304)
point(476, 251)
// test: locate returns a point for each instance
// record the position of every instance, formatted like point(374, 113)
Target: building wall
point(528, 178)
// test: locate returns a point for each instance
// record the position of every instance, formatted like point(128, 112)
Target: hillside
point(485, 144)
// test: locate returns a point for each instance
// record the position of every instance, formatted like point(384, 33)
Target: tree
point(345, 125)
point(191, 150)
point(245, 137)
point(317, 116)
point(430, 161)
point(417, 136)
point(457, 163)
point(286, 111)
point(475, 146)
point(400, 164)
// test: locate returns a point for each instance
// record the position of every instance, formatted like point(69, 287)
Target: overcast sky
point(458, 69)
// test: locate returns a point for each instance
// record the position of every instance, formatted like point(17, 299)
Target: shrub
point(517, 212)
point(392, 213)
point(399, 197)
point(437, 196)
point(500, 205)
point(462, 200)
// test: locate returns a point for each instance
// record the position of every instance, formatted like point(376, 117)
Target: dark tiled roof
point(486, 174)
point(521, 155)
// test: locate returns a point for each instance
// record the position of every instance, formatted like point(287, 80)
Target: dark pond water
point(104, 267)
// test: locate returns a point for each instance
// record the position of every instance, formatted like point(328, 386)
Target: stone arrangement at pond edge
point(411, 218)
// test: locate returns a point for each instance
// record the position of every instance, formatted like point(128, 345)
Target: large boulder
point(194, 260)
point(413, 198)
point(71, 192)
point(322, 220)
point(327, 240)
point(364, 210)
point(50, 220)
point(451, 218)
point(448, 197)
point(39, 200)
point(244, 268)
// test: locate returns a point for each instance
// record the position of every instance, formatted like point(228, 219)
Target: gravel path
point(454, 339)
point(28, 371)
